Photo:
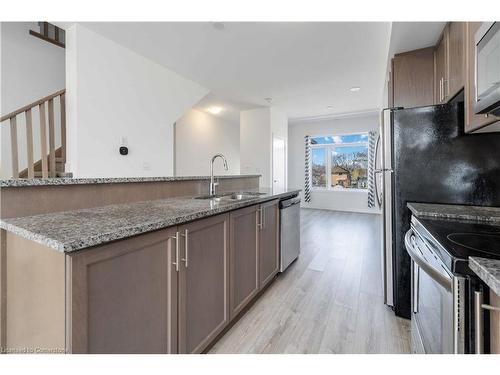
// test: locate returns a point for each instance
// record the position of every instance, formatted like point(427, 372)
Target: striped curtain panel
point(307, 170)
point(372, 139)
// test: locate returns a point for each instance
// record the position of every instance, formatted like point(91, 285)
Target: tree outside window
point(346, 159)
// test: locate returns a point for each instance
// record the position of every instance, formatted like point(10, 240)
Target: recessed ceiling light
point(329, 106)
point(354, 89)
point(219, 25)
point(214, 110)
point(268, 100)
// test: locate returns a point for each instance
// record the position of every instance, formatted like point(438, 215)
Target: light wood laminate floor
point(329, 300)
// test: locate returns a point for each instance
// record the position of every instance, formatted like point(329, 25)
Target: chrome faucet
point(212, 183)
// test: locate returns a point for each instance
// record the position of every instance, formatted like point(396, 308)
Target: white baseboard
point(355, 210)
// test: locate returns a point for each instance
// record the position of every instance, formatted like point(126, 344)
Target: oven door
point(432, 300)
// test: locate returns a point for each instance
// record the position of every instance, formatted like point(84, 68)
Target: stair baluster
point(49, 160)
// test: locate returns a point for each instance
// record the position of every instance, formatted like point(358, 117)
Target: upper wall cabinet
point(449, 62)
point(436, 75)
point(456, 59)
point(441, 68)
point(472, 120)
point(412, 78)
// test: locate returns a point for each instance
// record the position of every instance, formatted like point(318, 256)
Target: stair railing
point(48, 166)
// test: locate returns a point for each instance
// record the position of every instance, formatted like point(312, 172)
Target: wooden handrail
point(29, 106)
point(48, 165)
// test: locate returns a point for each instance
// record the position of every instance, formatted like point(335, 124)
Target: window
point(346, 159)
point(318, 167)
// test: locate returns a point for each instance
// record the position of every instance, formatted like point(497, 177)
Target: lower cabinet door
point(494, 324)
point(244, 258)
point(203, 282)
point(122, 297)
point(268, 242)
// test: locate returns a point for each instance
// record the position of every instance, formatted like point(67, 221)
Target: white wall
point(115, 93)
point(30, 69)
point(355, 201)
point(257, 127)
point(255, 150)
point(198, 136)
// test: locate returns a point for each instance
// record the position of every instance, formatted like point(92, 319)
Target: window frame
point(329, 147)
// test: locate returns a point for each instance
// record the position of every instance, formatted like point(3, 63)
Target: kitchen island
point(156, 276)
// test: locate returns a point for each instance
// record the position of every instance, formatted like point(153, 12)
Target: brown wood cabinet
point(494, 324)
point(203, 282)
point(441, 68)
point(412, 78)
point(472, 120)
point(390, 91)
point(169, 291)
point(122, 297)
point(449, 62)
point(456, 59)
point(244, 258)
point(268, 242)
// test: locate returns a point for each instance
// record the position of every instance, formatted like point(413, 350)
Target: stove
point(443, 285)
point(456, 241)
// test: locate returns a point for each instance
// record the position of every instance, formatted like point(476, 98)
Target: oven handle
point(442, 280)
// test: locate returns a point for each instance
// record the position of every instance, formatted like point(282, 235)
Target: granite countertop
point(456, 212)
point(79, 229)
point(22, 182)
point(488, 270)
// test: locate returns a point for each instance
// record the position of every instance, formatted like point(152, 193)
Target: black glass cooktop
point(459, 240)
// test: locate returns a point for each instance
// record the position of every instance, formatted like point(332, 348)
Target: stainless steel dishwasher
point(289, 231)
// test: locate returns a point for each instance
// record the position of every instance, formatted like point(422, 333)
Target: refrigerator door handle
point(375, 172)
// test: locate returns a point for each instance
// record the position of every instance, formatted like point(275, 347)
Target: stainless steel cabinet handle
point(440, 89)
point(490, 308)
point(259, 223)
point(479, 321)
point(439, 98)
point(176, 238)
point(186, 247)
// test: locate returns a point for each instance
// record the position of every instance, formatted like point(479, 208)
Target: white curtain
point(372, 144)
point(307, 170)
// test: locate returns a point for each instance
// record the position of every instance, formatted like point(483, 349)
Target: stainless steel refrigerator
point(424, 156)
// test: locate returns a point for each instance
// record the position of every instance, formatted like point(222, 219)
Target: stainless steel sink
point(237, 197)
point(230, 197)
point(209, 196)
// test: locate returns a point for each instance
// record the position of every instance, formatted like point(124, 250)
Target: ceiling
point(230, 108)
point(305, 67)
point(407, 36)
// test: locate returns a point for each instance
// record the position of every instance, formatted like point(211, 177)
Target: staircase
point(60, 162)
point(50, 33)
point(52, 161)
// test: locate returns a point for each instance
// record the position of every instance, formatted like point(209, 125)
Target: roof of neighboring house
point(338, 169)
